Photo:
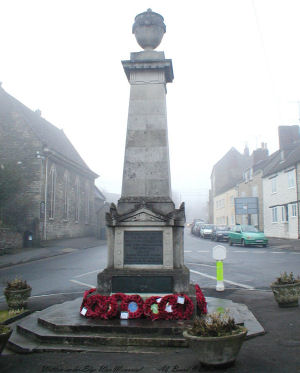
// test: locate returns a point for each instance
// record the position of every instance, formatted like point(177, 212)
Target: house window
point(77, 199)
point(254, 191)
point(274, 185)
point(294, 209)
point(284, 213)
point(52, 179)
point(87, 204)
point(274, 215)
point(291, 179)
point(232, 200)
point(66, 196)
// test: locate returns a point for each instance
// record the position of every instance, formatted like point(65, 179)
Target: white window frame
point(294, 210)
point(274, 185)
point(274, 215)
point(291, 179)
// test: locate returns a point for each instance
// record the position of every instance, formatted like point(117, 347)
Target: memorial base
point(148, 281)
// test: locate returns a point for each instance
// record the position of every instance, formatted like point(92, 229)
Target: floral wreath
point(151, 307)
point(167, 300)
point(183, 311)
point(87, 295)
point(201, 301)
point(137, 304)
point(120, 299)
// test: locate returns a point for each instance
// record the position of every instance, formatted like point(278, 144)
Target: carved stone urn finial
point(149, 29)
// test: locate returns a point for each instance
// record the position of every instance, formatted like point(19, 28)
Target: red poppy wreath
point(151, 307)
point(184, 308)
point(201, 301)
point(120, 299)
point(166, 306)
point(133, 304)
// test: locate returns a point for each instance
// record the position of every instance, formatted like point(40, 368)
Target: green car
point(246, 235)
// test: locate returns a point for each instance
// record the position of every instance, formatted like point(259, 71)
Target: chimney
point(287, 135)
point(260, 154)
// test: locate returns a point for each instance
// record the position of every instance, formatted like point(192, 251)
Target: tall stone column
point(145, 231)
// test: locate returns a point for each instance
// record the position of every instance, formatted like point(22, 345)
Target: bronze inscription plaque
point(143, 247)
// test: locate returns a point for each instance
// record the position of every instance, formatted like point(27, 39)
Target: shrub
point(285, 279)
point(17, 284)
point(214, 325)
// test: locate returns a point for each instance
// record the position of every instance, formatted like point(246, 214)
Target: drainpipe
point(45, 198)
point(298, 197)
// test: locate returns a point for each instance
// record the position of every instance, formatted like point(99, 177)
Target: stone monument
point(145, 231)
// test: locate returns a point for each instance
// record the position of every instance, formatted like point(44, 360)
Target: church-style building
point(60, 187)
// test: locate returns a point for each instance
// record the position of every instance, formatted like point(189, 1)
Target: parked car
point(206, 230)
point(220, 233)
point(196, 228)
point(247, 235)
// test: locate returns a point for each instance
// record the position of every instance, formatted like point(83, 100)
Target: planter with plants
point(286, 290)
point(17, 293)
point(5, 333)
point(216, 339)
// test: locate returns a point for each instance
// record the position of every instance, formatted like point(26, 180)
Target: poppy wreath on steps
point(120, 299)
point(151, 305)
point(166, 302)
point(134, 305)
point(183, 311)
point(94, 306)
point(86, 295)
point(201, 301)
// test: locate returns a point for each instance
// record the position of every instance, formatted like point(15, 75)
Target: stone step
point(33, 330)
point(21, 344)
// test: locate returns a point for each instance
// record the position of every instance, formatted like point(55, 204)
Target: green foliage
point(285, 279)
point(214, 325)
point(8, 314)
point(4, 329)
point(17, 284)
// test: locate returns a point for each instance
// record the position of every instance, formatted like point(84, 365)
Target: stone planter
point(17, 299)
point(216, 351)
point(5, 333)
point(286, 295)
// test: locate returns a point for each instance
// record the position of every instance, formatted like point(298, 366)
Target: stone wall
point(10, 239)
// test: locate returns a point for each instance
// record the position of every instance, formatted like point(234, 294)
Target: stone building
point(281, 187)
point(226, 173)
point(59, 187)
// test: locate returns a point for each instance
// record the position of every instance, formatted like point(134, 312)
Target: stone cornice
point(164, 65)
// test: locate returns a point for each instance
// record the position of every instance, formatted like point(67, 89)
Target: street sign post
point(219, 254)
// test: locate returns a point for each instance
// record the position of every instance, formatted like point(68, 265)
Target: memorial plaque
point(143, 247)
point(142, 284)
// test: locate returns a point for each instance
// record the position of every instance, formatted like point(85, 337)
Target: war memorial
point(145, 231)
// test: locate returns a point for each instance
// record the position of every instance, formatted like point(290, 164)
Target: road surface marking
point(83, 283)
point(258, 252)
point(88, 273)
point(51, 295)
point(188, 251)
point(203, 251)
point(296, 253)
point(241, 251)
point(277, 252)
point(228, 281)
point(204, 265)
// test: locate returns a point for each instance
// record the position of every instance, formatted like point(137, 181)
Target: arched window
point(77, 199)
point(52, 189)
point(87, 203)
point(66, 195)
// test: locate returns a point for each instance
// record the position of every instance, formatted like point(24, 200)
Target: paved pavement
point(276, 351)
point(10, 257)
